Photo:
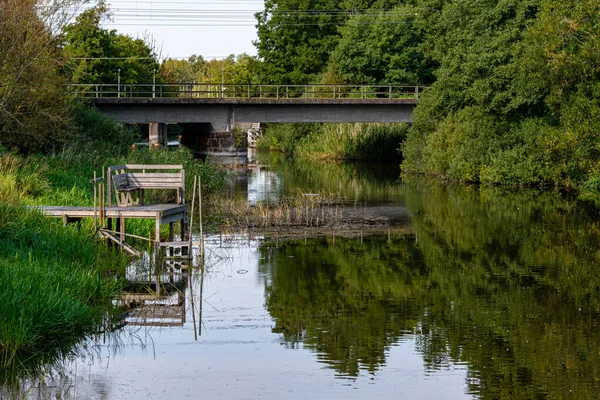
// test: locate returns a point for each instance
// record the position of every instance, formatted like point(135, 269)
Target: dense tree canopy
point(381, 47)
point(515, 84)
point(237, 70)
point(34, 107)
point(516, 95)
point(95, 54)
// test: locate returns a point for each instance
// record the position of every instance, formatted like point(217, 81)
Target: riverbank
point(378, 142)
point(58, 281)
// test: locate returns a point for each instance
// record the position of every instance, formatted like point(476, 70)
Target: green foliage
point(88, 48)
point(284, 137)
point(232, 70)
point(34, 102)
point(357, 41)
point(516, 96)
point(387, 52)
point(354, 142)
point(294, 41)
point(54, 280)
point(21, 177)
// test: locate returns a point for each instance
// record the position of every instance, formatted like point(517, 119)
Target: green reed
point(56, 283)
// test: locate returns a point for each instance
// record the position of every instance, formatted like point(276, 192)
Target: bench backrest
point(131, 177)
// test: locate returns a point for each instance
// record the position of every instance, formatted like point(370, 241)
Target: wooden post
point(192, 215)
point(200, 215)
point(157, 224)
point(95, 201)
point(108, 185)
point(171, 238)
point(102, 199)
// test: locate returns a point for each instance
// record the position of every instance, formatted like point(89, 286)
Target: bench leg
point(171, 238)
point(158, 220)
point(184, 232)
point(122, 230)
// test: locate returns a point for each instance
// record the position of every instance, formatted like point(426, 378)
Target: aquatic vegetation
point(56, 284)
point(378, 142)
point(302, 210)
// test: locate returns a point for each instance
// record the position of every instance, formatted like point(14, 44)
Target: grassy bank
point(57, 282)
point(348, 142)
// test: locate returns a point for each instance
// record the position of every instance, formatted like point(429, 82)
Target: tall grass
point(57, 282)
point(354, 142)
point(21, 178)
point(54, 283)
point(348, 141)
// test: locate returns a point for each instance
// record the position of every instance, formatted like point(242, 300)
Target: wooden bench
point(130, 180)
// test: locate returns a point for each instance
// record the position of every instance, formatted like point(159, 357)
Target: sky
point(181, 28)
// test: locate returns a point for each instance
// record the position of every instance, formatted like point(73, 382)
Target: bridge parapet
point(229, 91)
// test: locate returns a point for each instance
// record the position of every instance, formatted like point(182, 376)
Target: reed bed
point(323, 210)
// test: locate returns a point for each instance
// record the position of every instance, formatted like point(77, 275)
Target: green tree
point(95, 55)
point(295, 38)
point(34, 103)
point(382, 47)
point(183, 71)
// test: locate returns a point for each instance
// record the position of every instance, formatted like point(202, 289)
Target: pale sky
point(211, 28)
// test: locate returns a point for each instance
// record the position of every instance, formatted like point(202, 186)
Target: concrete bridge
point(216, 109)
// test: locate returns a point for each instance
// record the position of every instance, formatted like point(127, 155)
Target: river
point(467, 293)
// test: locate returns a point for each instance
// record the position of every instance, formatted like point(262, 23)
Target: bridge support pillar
point(157, 134)
point(228, 147)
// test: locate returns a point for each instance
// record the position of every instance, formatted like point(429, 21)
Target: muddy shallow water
point(470, 292)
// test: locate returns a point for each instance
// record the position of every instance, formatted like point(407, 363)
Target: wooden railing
point(228, 91)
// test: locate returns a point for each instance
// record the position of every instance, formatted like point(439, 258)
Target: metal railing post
point(390, 89)
point(417, 92)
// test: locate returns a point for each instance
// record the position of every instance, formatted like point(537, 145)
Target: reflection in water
point(505, 282)
point(348, 300)
point(493, 294)
point(155, 295)
point(275, 177)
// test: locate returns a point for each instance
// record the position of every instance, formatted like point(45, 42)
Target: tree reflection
point(504, 281)
point(349, 302)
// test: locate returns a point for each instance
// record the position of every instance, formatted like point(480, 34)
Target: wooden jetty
point(126, 184)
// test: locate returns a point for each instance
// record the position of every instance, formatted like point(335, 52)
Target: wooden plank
point(152, 166)
point(153, 184)
point(114, 212)
point(155, 324)
point(163, 175)
point(171, 218)
point(174, 244)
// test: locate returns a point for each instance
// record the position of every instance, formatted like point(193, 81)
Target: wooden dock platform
point(161, 213)
point(126, 185)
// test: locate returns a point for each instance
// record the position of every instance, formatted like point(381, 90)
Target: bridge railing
point(229, 91)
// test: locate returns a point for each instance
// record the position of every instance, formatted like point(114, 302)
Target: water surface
point(482, 293)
